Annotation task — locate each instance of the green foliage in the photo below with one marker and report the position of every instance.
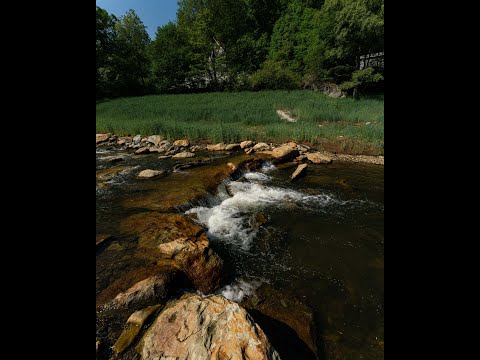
(170, 56)
(274, 75)
(361, 79)
(229, 44)
(356, 28)
(105, 39)
(293, 37)
(232, 117)
(131, 59)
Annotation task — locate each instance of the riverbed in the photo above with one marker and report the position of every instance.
(320, 238)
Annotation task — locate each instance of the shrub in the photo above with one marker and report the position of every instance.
(274, 75)
(361, 79)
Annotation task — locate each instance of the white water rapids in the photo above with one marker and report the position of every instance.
(232, 216)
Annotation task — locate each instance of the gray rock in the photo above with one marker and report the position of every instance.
(261, 146)
(246, 144)
(148, 174)
(154, 139)
(183, 155)
(143, 150)
(137, 139)
(231, 147)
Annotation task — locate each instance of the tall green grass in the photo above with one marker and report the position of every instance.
(232, 117)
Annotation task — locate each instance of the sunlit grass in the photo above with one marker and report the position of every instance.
(232, 117)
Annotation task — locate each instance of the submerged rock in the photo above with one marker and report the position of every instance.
(142, 150)
(102, 239)
(181, 189)
(288, 322)
(319, 158)
(175, 240)
(301, 169)
(287, 165)
(106, 175)
(217, 147)
(148, 174)
(259, 220)
(183, 155)
(115, 159)
(190, 164)
(205, 328)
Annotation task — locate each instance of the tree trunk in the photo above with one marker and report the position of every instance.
(214, 66)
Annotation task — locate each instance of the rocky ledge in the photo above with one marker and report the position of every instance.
(183, 148)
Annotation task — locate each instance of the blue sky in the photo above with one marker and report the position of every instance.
(153, 13)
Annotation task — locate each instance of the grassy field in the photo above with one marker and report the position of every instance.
(331, 124)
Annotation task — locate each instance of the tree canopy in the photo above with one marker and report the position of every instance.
(217, 45)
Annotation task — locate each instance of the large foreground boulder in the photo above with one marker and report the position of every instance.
(205, 328)
(105, 176)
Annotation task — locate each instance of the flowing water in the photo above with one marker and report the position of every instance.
(321, 238)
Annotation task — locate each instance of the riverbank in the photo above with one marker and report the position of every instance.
(185, 148)
(340, 125)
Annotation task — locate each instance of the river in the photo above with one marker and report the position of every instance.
(320, 238)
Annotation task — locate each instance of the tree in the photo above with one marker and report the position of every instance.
(131, 58)
(105, 45)
(224, 39)
(221, 44)
(171, 58)
(276, 76)
(361, 79)
(357, 28)
(293, 37)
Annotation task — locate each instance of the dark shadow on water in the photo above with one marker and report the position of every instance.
(283, 338)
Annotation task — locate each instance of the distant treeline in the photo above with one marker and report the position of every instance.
(224, 45)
